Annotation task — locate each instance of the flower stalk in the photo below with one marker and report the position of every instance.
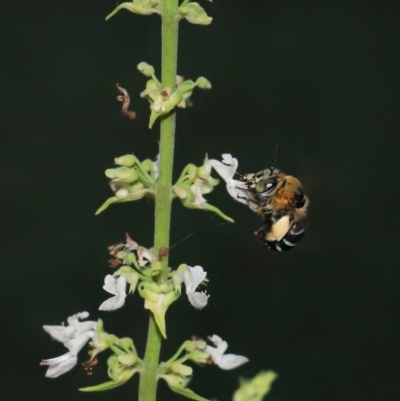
(163, 199)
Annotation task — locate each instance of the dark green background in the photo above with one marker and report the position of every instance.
(318, 77)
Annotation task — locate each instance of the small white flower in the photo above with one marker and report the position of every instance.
(227, 170)
(117, 287)
(193, 277)
(74, 337)
(228, 361)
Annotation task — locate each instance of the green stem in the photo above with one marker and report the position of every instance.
(170, 21)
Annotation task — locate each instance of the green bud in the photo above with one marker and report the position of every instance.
(202, 172)
(127, 359)
(203, 83)
(189, 346)
(147, 165)
(181, 369)
(110, 173)
(146, 69)
(199, 357)
(195, 14)
(191, 171)
(175, 381)
(126, 160)
(126, 173)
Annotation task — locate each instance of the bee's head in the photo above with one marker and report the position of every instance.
(265, 181)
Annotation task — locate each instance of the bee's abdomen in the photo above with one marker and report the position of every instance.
(294, 235)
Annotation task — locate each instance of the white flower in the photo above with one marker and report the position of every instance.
(74, 337)
(193, 277)
(227, 170)
(228, 361)
(117, 287)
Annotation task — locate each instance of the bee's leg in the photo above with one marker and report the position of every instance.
(241, 176)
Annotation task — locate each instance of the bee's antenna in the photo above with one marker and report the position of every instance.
(276, 155)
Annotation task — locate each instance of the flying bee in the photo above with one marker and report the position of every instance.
(280, 201)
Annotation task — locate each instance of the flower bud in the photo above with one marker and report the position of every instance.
(127, 359)
(203, 83)
(199, 357)
(126, 160)
(126, 173)
(195, 14)
(181, 369)
(146, 69)
(175, 381)
(110, 173)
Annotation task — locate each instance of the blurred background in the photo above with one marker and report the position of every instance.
(318, 77)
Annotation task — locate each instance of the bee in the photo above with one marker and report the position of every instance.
(280, 201)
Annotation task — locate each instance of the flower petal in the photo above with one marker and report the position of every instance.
(231, 361)
(227, 170)
(60, 365)
(59, 333)
(76, 344)
(113, 303)
(110, 284)
(198, 299)
(193, 277)
(116, 287)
